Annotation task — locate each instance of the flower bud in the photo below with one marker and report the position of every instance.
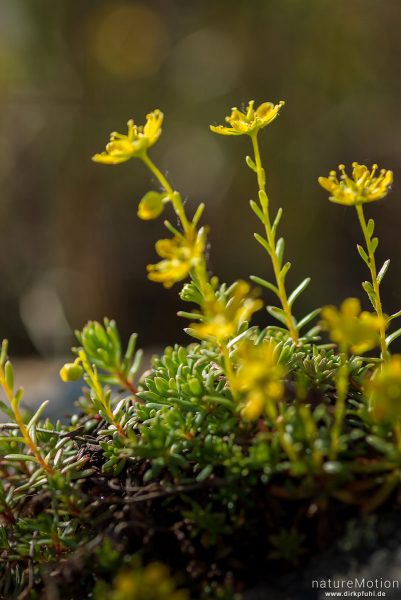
(151, 206)
(71, 372)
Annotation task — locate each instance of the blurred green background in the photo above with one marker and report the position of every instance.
(72, 247)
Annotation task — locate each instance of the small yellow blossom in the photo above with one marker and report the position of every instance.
(352, 329)
(259, 378)
(180, 254)
(151, 205)
(250, 121)
(385, 391)
(138, 139)
(152, 582)
(364, 185)
(222, 318)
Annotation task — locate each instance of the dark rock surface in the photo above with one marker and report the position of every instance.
(370, 550)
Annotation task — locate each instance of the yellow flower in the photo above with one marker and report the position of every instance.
(385, 391)
(363, 186)
(352, 329)
(259, 378)
(180, 254)
(223, 318)
(138, 139)
(250, 121)
(151, 205)
(152, 582)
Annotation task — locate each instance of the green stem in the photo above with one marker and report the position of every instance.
(342, 390)
(375, 282)
(199, 273)
(285, 442)
(228, 368)
(98, 389)
(29, 442)
(271, 238)
(174, 196)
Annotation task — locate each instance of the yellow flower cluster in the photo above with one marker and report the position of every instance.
(179, 255)
(385, 391)
(184, 251)
(250, 121)
(122, 147)
(363, 186)
(352, 329)
(222, 319)
(152, 582)
(259, 378)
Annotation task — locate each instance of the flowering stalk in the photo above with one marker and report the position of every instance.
(228, 367)
(175, 197)
(342, 385)
(250, 122)
(188, 227)
(285, 442)
(102, 397)
(356, 332)
(384, 390)
(362, 187)
(270, 230)
(7, 383)
(199, 273)
(182, 255)
(371, 244)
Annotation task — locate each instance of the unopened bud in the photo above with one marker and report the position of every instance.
(71, 372)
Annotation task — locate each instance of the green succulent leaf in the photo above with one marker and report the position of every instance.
(363, 255)
(280, 250)
(270, 286)
(262, 242)
(277, 220)
(250, 163)
(383, 270)
(298, 290)
(308, 318)
(277, 313)
(393, 336)
(256, 209)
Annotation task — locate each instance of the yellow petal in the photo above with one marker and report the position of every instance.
(254, 405)
(106, 159)
(168, 272)
(359, 171)
(264, 110)
(165, 248)
(152, 128)
(351, 307)
(239, 123)
(388, 178)
(274, 390)
(224, 130)
(120, 147)
(327, 184)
